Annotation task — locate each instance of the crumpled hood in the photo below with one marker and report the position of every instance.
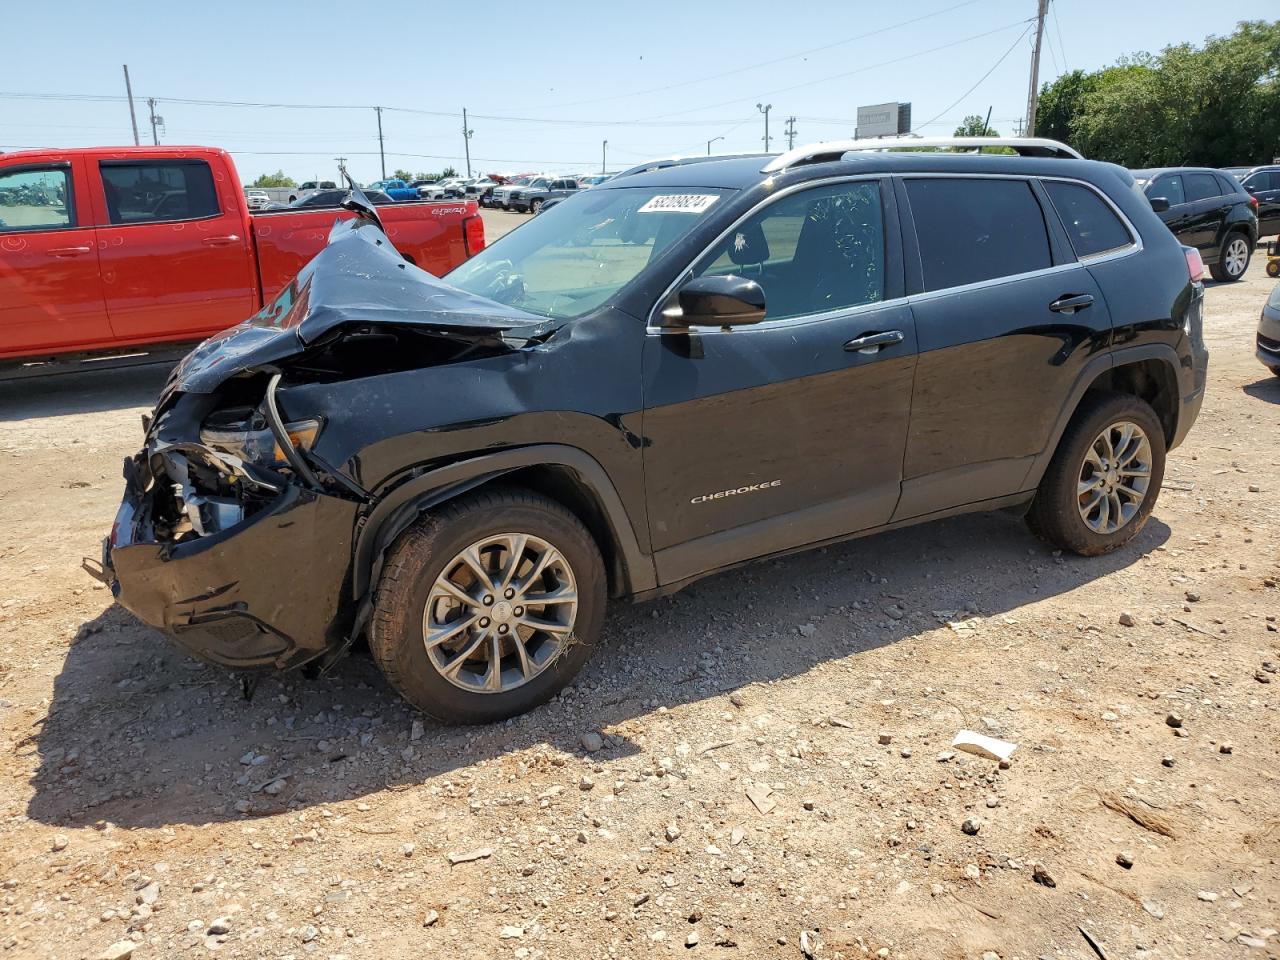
(358, 278)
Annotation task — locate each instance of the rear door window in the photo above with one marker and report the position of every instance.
(36, 199)
(158, 191)
(970, 230)
(1091, 224)
(1201, 186)
(1169, 187)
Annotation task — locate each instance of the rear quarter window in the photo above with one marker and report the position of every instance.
(1091, 224)
(970, 230)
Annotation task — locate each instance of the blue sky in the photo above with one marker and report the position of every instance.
(544, 84)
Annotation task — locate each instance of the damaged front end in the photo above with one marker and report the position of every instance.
(236, 527)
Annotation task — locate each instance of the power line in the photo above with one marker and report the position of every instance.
(1004, 56)
(1057, 27)
(848, 73)
(762, 64)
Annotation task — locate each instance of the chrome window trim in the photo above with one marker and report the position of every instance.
(1135, 246)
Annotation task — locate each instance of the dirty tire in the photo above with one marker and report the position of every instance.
(1231, 244)
(1273, 268)
(1055, 515)
(419, 556)
(535, 206)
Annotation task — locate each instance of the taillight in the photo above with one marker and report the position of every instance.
(1253, 202)
(473, 235)
(1195, 266)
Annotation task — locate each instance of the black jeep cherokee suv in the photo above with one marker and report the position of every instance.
(688, 367)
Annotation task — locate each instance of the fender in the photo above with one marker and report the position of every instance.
(1092, 370)
(401, 507)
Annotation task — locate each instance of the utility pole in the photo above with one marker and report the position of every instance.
(986, 124)
(604, 156)
(342, 167)
(1042, 10)
(791, 133)
(710, 142)
(382, 153)
(765, 108)
(155, 121)
(466, 140)
(133, 116)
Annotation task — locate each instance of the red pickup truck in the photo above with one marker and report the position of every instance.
(122, 247)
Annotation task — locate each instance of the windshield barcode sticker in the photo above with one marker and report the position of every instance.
(680, 203)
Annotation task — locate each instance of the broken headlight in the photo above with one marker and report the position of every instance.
(245, 434)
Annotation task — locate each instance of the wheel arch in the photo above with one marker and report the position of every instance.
(565, 474)
(1149, 372)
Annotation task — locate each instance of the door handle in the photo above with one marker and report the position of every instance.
(220, 241)
(874, 342)
(1071, 303)
(70, 251)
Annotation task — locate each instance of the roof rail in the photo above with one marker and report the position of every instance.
(835, 149)
(681, 161)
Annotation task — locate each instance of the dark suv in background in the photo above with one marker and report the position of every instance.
(1206, 209)
(693, 365)
(1263, 183)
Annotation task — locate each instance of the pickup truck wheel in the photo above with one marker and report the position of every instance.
(1233, 258)
(535, 206)
(488, 606)
(1102, 483)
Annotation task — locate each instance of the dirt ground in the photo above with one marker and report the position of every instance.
(143, 800)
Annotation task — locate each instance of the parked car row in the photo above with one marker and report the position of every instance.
(530, 192)
(1221, 213)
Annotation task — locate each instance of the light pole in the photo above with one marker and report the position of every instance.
(466, 140)
(765, 108)
(604, 156)
(710, 142)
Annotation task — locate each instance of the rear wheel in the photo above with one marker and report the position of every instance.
(1233, 258)
(1102, 483)
(488, 606)
(1273, 268)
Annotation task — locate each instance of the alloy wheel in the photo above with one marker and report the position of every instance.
(1114, 477)
(499, 613)
(1237, 256)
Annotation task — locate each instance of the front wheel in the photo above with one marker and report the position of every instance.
(1233, 258)
(488, 606)
(535, 206)
(1102, 483)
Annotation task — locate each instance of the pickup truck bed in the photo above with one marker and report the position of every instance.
(109, 249)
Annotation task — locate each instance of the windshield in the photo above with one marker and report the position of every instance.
(578, 254)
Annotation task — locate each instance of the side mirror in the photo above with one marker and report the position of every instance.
(1159, 204)
(721, 301)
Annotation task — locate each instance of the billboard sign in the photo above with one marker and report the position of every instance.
(883, 120)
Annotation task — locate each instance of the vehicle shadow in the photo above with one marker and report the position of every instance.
(1268, 389)
(83, 391)
(140, 735)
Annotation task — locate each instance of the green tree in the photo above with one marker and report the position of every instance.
(404, 175)
(975, 126)
(1215, 105)
(448, 172)
(277, 179)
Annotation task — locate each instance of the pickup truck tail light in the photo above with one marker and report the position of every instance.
(1195, 266)
(473, 235)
